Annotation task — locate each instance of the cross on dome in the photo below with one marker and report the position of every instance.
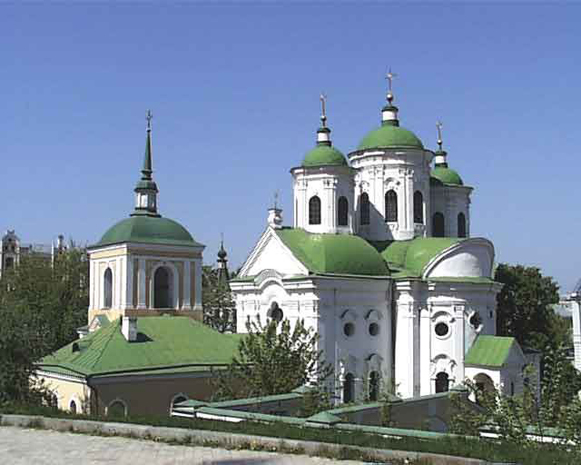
(439, 125)
(323, 99)
(390, 76)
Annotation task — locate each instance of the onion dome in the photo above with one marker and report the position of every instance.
(390, 134)
(442, 174)
(145, 224)
(324, 153)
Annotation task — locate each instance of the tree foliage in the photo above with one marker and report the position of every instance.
(273, 359)
(524, 306)
(516, 417)
(42, 302)
(219, 308)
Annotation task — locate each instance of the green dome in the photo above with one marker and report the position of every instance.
(388, 136)
(447, 176)
(148, 229)
(324, 155)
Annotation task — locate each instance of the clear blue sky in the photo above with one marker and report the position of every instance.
(234, 91)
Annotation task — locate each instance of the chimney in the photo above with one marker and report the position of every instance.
(129, 328)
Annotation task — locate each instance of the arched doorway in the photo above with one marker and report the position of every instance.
(275, 312)
(484, 384)
(116, 409)
(73, 407)
(442, 382)
(348, 388)
(438, 225)
(162, 288)
(374, 382)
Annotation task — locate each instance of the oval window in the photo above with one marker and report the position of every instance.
(374, 329)
(349, 329)
(442, 329)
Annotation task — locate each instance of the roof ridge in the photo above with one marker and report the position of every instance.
(114, 325)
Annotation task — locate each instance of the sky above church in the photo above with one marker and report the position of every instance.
(234, 89)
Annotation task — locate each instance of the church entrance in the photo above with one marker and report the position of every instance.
(442, 382)
(162, 288)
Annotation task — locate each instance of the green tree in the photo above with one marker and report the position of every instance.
(524, 306)
(42, 303)
(274, 359)
(219, 308)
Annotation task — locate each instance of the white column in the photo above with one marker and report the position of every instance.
(576, 307)
(187, 279)
(142, 285)
(127, 301)
(198, 284)
(92, 285)
(459, 342)
(118, 287)
(425, 350)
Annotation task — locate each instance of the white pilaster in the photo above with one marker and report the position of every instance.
(186, 305)
(127, 301)
(142, 286)
(198, 284)
(425, 348)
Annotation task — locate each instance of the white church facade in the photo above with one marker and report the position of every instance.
(379, 261)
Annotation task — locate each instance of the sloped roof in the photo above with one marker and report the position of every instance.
(333, 253)
(490, 351)
(164, 344)
(411, 257)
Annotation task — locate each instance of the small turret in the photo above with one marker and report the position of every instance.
(223, 275)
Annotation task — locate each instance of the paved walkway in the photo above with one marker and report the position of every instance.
(29, 446)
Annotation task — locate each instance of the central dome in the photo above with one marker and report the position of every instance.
(148, 229)
(389, 136)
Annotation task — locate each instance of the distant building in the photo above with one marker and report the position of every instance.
(12, 250)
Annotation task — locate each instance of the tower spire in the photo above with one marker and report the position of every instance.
(440, 158)
(323, 133)
(146, 189)
(389, 111)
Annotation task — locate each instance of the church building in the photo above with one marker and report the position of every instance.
(380, 262)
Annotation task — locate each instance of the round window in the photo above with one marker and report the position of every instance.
(374, 329)
(442, 329)
(349, 329)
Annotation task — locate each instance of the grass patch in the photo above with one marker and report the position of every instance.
(540, 454)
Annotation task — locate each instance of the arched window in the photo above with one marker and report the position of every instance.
(162, 288)
(438, 228)
(349, 388)
(364, 208)
(275, 312)
(373, 385)
(108, 288)
(442, 381)
(418, 207)
(73, 407)
(461, 225)
(390, 206)
(117, 409)
(315, 210)
(343, 211)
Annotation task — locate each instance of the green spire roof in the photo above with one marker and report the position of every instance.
(145, 224)
(390, 136)
(333, 253)
(446, 176)
(163, 343)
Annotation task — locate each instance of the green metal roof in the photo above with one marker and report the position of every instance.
(148, 229)
(388, 136)
(412, 256)
(164, 344)
(323, 155)
(447, 176)
(333, 253)
(490, 351)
